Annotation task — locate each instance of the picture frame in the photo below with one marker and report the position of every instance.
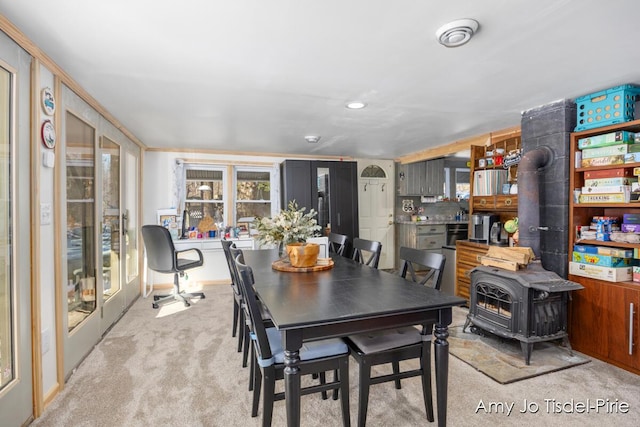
(167, 218)
(48, 134)
(48, 101)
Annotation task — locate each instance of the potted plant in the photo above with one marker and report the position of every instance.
(290, 226)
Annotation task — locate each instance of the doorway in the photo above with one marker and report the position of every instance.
(375, 206)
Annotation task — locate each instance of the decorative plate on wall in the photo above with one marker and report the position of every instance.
(48, 133)
(48, 101)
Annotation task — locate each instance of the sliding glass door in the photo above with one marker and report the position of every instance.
(16, 388)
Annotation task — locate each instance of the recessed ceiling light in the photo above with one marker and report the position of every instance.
(356, 105)
(312, 139)
(457, 33)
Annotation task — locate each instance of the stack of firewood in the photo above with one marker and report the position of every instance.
(508, 258)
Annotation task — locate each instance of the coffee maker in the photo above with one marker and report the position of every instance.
(481, 227)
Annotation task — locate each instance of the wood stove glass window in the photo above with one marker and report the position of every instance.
(493, 299)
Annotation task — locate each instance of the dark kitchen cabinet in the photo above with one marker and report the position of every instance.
(424, 178)
(331, 188)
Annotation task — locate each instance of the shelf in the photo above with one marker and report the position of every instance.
(634, 205)
(611, 244)
(607, 167)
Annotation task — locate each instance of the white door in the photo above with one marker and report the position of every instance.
(375, 206)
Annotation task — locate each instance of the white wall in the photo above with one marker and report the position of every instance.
(47, 248)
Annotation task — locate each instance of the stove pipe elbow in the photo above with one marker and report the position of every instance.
(529, 196)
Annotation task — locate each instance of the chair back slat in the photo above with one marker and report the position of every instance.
(246, 282)
(337, 243)
(161, 253)
(367, 251)
(412, 259)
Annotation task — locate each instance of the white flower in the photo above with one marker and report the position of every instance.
(289, 226)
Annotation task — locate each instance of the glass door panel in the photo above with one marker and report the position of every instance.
(130, 222)
(324, 197)
(81, 221)
(110, 153)
(7, 326)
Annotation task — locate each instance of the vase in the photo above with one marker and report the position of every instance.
(303, 254)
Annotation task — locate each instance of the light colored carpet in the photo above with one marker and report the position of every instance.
(502, 359)
(179, 367)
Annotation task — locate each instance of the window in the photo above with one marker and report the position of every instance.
(231, 195)
(205, 194)
(253, 194)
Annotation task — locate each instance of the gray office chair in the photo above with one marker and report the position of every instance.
(398, 344)
(163, 258)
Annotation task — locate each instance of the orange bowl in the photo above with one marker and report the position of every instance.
(303, 254)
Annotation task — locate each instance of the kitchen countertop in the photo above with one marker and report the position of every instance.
(433, 221)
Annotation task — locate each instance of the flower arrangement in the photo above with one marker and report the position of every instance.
(289, 226)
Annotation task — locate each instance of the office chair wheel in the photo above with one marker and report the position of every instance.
(186, 304)
(154, 305)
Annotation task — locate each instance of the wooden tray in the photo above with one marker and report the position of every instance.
(284, 265)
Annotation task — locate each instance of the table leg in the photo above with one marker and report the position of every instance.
(292, 381)
(442, 371)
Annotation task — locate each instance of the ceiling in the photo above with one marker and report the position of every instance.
(258, 76)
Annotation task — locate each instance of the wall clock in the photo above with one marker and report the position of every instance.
(48, 133)
(48, 101)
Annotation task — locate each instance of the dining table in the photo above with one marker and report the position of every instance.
(346, 299)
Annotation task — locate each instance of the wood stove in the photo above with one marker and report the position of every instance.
(529, 305)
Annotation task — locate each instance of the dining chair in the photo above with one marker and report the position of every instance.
(238, 313)
(337, 243)
(315, 356)
(367, 251)
(163, 257)
(398, 344)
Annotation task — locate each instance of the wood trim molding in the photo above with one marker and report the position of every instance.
(249, 153)
(460, 145)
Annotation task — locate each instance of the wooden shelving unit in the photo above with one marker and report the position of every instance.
(604, 316)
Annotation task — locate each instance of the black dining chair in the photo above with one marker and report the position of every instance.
(238, 314)
(366, 251)
(315, 356)
(337, 243)
(398, 344)
(163, 257)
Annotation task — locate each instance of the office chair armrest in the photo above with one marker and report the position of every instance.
(196, 250)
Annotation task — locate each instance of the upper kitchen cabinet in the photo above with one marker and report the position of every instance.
(331, 188)
(424, 178)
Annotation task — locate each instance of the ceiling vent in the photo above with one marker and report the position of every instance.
(457, 33)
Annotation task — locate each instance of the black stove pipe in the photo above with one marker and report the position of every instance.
(529, 169)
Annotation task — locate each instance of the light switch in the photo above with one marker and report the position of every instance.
(45, 213)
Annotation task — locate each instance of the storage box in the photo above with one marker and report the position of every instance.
(630, 228)
(609, 274)
(611, 150)
(632, 158)
(605, 182)
(605, 198)
(614, 105)
(606, 189)
(630, 218)
(604, 250)
(609, 173)
(605, 139)
(602, 161)
(602, 260)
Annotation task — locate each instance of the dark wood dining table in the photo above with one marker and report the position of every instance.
(347, 299)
